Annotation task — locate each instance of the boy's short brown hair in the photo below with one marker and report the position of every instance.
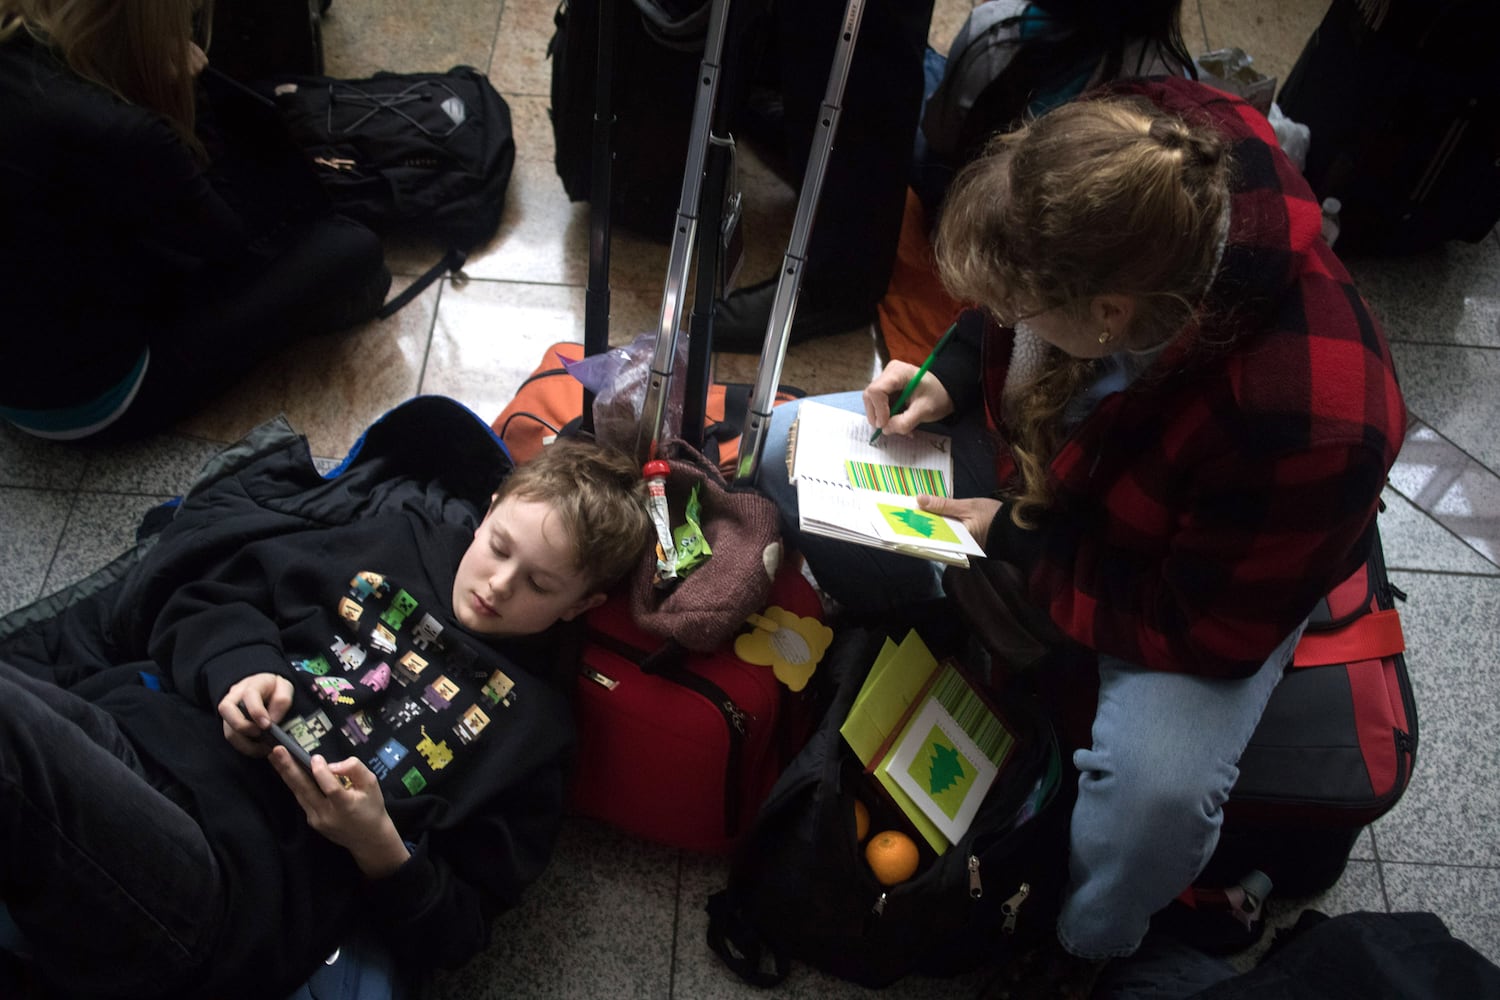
(600, 496)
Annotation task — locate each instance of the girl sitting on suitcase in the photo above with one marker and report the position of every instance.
(157, 243)
(1193, 416)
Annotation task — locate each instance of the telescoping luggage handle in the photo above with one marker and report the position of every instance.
(778, 328)
(773, 351)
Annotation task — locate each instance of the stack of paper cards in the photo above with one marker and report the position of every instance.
(929, 737)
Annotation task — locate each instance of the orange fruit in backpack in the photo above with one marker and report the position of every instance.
(861, 820)
(892, 856)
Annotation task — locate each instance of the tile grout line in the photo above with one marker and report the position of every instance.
(1476, 465)
(1414, 342)
(431, 334)
(1461, 574)
(1445, 864)
(489, 62)
(1385, 895)
(42, 589)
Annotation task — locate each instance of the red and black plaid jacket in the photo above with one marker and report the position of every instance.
(1201, 513)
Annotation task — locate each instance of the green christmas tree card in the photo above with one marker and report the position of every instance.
(946, 757)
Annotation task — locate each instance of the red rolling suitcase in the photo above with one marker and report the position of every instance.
(1333, 752)
(1335, 747)
(680, 747)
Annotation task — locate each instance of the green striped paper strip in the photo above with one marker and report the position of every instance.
(896, 479)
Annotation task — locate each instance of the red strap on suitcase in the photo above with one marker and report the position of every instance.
(1372, 637)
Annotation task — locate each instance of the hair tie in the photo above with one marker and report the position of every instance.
(1170, 134)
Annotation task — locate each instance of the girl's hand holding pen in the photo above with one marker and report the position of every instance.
(928, 401)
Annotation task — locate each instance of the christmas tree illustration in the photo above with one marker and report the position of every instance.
(916, 520)
(947, 769)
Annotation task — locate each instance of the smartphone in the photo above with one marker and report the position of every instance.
(297, 750)
(277, 734)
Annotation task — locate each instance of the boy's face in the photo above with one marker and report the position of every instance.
(520, 574)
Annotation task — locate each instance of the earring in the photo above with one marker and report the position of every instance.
(1105, 336)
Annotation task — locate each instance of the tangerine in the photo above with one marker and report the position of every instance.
(861, 820)
(892, 856)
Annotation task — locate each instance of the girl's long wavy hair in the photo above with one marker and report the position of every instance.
(136, 49)
(1100, 196)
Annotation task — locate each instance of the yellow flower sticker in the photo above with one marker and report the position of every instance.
(790, 645)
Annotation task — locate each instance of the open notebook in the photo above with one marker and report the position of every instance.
(850, 489)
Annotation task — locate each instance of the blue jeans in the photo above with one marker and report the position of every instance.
(1151, 794)
(112, 884)
(863, 579)
(362, 969)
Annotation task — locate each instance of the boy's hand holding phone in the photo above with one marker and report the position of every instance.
(250, 706)
(343, 802)
(341, 799)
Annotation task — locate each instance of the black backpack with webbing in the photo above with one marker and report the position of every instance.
(422, 155)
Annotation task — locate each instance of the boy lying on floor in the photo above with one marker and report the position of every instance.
(149, 848)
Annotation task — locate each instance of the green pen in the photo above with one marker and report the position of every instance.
(911, 386)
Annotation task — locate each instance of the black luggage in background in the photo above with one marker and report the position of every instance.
(652, 104)
(657, 51)
(260, 39)
(1403, 100)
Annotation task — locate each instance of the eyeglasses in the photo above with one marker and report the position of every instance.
(1010, 322)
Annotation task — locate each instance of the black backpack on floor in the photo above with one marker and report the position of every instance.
(424, 155)
(799, 887)
(427, 155)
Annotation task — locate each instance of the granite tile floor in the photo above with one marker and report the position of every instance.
(618, 918)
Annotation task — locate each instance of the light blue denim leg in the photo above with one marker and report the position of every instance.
(1150, 794)
(860, 578)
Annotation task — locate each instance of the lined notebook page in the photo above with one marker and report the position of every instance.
(833, 445)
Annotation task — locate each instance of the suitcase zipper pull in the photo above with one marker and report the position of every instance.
(976, 889)
(879, 908)
(1012, 908)
(735, 715)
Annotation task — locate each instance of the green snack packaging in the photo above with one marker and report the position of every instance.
(692, 547)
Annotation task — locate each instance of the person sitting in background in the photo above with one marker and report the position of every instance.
(156, 243)
(1043, 53)
(1011, 59)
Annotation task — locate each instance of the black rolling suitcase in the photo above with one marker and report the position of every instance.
(1403, 100)
(655, 61)
(260, 39)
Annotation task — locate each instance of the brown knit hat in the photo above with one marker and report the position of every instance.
(708, 606)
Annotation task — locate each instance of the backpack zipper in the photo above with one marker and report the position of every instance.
(1011, 908)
